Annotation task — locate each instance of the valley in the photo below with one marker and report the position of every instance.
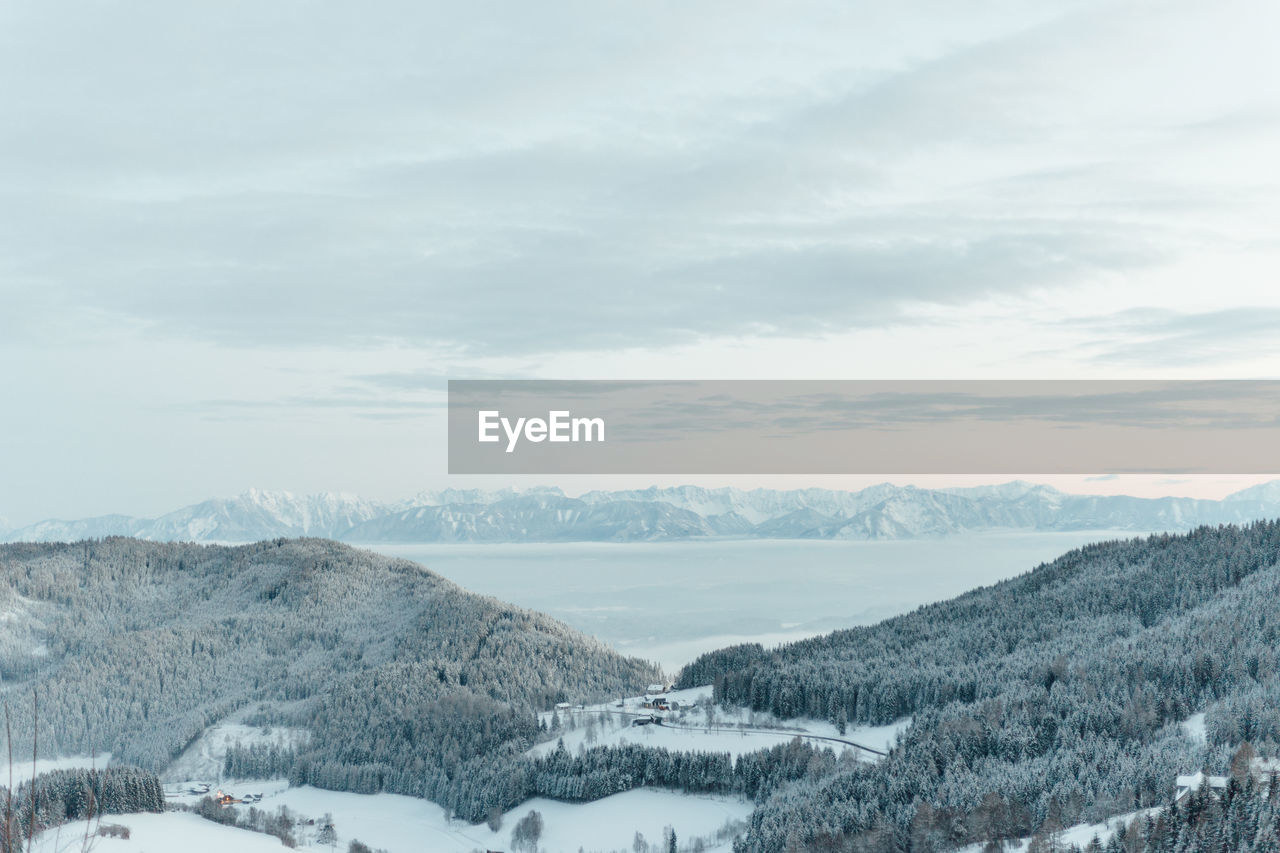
(669, 602)
(361, 692)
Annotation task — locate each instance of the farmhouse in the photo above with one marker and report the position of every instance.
(224, 799)
(1184, 786)
(1262, 769)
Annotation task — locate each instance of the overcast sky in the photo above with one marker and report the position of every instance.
(244, 243)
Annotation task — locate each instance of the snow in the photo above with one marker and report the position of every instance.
(612, 823)
(1187, 783)
(1194, 728)
(402, 824)
(19, 611)
(1080, 834)
(736, 731)
(1268, 492)
(203, 759)
(666, 737)
(159, 833)
(396, 823)
(181, 793)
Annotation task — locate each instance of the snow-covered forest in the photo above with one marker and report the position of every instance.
(137, 647)
(59, 796)
(1059, 697)
(1052, 698)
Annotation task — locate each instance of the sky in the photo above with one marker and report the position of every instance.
(246, 244)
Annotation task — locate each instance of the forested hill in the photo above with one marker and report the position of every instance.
(137, 646)
(1051, 698)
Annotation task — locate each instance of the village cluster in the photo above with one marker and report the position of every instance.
(221, 797)
(655, 701)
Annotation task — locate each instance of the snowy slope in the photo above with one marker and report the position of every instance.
(400, 824)
(158, 833)
(1079, 835)
(260, 514)
(204, 757)
(1266, 493)
(58, 530)
(538, 517)
(408, 825)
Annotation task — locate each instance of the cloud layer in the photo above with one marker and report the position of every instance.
(506, 179)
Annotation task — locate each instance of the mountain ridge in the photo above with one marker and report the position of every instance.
(545, 514)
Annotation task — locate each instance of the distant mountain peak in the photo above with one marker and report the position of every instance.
(1011, 489)
(1268, 492)
(253, 493)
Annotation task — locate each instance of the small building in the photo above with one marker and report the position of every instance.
(1263, 771)
(563, 706)
(658, 688)
(1184, 786)
(224, 799)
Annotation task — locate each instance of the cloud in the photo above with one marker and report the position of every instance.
(566, 180)
(1159, 336)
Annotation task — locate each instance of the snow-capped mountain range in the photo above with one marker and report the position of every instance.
(546, 514)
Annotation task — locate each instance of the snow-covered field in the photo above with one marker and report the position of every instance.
(612, 823)
(401, 824)
(690, 729)
(171, 832)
